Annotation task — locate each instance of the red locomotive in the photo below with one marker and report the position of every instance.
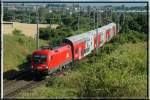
(73, 48)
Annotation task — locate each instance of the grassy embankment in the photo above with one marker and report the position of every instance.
(119, 70)
(16, 49)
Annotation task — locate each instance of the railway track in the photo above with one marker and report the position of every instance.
(30, 85)
(16, 77)
(16, 82)
(25, 82)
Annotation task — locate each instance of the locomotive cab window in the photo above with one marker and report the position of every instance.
(39, 59)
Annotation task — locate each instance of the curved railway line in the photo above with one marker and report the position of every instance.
(24, 81)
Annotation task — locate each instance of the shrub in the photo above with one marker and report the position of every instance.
(28, 58)
(20, 40)
(44, 34)
(17, 32)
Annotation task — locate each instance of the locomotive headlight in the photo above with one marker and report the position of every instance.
(46, 67)
(31, 67)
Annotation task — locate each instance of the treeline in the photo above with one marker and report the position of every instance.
(69, 21)
(55, 36)
(134, 21)
(127, 22)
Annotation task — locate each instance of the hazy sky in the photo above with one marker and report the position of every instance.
(116, 4)
(96, 4)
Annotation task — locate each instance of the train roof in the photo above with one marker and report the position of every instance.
(84, 36)
(103, 28)
(79, 37)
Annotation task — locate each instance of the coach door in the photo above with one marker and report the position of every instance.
(92, 43)
(108, 34)
(102, 40)
(79, 52)
(88, 46)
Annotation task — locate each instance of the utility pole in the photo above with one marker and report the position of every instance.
(29, 16)
(94, 17)
(59, 14)
(100, 22)
(124, 17)
(14, 15)
(141, 14)
(111, 14)
(89, 11)
(97, 18)
(37, 37)
(106, 12)
(118, 22)
(78, 19)
(97, 31)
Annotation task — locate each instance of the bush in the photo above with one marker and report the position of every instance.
(28, 58)
(117, 74)
(17, 32)
(44, 34)
(130, 37)
(20, 40)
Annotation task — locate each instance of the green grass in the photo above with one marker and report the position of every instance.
(119, 73)
(16, 49)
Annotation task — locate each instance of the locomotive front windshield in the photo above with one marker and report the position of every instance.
(39, 59)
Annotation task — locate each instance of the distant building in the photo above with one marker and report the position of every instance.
(50, 11)
(17, 7)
